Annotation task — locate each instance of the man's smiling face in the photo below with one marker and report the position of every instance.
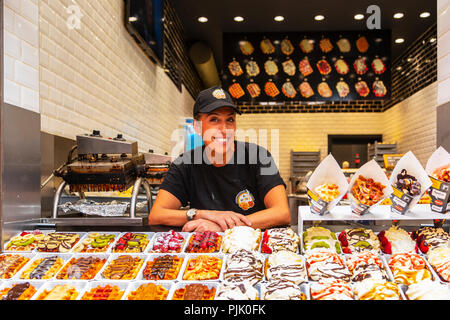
(217, 129)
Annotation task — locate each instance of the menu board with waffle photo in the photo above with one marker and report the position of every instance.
(307, 66)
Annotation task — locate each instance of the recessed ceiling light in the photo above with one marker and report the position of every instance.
(432, 40)
(278, 18)
(425, 14)
(398, 15)
(132, 19)
(202, 19)
(238, 19)
(399, 40)
(319, 17)
(358, 16)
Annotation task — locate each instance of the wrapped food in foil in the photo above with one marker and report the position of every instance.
(104, 209)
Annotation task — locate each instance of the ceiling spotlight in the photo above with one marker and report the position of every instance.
(425, 14)
(319, 17)
(132, 19)
(398, 15)
(358, 16)
(399, 40)
(432, 40)
(202, 19)
(238, 19)
(279, 18)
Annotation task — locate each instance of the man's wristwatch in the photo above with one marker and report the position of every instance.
(190, 214)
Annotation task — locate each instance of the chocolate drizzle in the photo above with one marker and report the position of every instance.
(15, 292)
(160, 267)
(42, 268)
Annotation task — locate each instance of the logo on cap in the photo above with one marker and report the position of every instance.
(219, 94)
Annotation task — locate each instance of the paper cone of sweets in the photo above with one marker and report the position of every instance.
(438, 168)
(409, 181)
(368, 187)
(326, 186)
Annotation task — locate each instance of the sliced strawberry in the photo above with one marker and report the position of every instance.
(388, 248)
(342, 235)
(346, 250)
(423, 247)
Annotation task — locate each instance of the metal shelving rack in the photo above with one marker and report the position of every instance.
(376, 150)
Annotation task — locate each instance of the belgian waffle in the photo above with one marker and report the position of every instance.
(58, 242)
(44, 268)
(83, 268)
(204, 242)
(107, 292)
(59, 292)
(10, 264)
(123, 268)
(163, 268)
(203, 268)
(18, 291)
(194, 292)
(149, 291)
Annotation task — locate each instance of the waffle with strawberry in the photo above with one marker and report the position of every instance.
(277, 239)
(396, 240)
(358, 239)
(204, 242)
(430, 237)
(168, 242)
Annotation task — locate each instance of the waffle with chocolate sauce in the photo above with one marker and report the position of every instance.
(18, 291)
(194, 291)
(124, 267)
(164, 267)
(44, 268)
(58, 242)
(82, 268)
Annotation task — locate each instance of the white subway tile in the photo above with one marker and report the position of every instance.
(8, 16)
(30, 55)
(11, 92)
(27, 31)
(12, 45)
(8, 64)
(13, 4)
(27, 75)
(30, 11)
(30, 99)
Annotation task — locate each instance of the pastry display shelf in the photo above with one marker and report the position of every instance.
(380, 212)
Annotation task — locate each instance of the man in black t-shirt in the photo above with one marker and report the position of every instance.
(225, 183)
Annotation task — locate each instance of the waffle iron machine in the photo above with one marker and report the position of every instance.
(102, 165)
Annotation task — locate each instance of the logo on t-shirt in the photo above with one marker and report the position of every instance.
(245, 200)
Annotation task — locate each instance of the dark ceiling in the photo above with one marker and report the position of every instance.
(299, 16)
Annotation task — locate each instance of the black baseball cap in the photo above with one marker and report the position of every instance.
(211, 99)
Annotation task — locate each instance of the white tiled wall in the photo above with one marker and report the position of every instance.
(443, 25)
(412, 123)
(21, 53)
(96, 77)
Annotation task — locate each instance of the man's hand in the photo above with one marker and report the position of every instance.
(225, 219)
(201, 225)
